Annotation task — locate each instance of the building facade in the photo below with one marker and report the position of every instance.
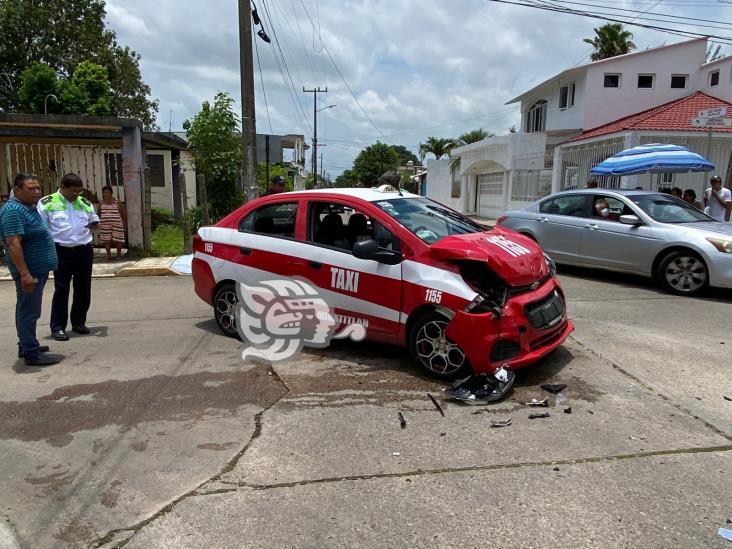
(577, 118)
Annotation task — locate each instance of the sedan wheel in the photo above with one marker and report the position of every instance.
(225, 302)
(434, 351)
(683, 273)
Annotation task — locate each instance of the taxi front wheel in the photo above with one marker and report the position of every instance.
(437, 354)
(224, 306)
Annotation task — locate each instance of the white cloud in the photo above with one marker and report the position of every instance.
(412, 64)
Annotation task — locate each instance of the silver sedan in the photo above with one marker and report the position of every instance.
(646, 233)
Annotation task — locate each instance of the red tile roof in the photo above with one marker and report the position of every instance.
(675, 116)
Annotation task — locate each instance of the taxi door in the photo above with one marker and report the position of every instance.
(359, 291)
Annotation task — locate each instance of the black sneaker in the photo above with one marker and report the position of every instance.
(41, 349)
(83, 330)
(59, 335)
(40, 360)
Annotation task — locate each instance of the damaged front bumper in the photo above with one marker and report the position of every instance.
(530, 326)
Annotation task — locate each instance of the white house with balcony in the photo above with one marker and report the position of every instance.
(559, 139)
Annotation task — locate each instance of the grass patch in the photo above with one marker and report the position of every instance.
(167, 240)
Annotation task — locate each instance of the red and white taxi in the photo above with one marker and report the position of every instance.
(413, 272)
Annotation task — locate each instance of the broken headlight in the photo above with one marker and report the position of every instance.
(492, 291)
(552, 266)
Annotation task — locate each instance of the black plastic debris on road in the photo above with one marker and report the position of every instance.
(480, 389)
(568, 410)
(538, 415)
(437, 405)
(402, 421)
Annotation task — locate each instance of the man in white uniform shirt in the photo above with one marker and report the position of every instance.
(717, 199)
(70, 218)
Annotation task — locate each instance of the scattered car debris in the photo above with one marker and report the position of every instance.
(554, 387)
(396, 454)
(402, 421)
(443, 434)
(537, 415)
(482, 388)
(591, 411)
(559, 399)
(726, 534)
(556, 469)
(496, 422)
(725, 397)
(568, 410)
(437, 405)
(543, 402)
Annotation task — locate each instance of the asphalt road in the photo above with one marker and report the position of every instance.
(153, 433)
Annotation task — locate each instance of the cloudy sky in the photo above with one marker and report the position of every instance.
(417, 67)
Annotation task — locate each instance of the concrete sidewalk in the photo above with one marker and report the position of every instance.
(149, 266)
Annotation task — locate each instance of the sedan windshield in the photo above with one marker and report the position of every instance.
(668, 209)
(429, 220)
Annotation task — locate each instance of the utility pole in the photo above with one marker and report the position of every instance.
(249, 181)
(322, 169)
(315, 92)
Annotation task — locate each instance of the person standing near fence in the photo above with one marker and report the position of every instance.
(70, 218)
(112, 220)
(30, 255)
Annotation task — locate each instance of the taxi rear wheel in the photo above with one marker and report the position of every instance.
(437, 354)
(225, 302)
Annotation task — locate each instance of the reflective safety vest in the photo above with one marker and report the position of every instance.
(57, 203)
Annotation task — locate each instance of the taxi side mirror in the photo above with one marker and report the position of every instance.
(369, 249)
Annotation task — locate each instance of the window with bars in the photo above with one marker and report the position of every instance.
(113, 169)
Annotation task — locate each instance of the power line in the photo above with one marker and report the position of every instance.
(727, 40)
(563, 2)
(264, 91)
(325, 47)
(286, 68)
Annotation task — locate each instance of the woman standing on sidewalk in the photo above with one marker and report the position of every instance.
(112, 218)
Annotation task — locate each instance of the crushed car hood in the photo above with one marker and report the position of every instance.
(518, 260)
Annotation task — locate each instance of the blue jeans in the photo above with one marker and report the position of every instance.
(27, 313)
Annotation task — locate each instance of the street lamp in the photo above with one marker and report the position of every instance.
(315, 141)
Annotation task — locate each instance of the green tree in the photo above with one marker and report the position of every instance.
(373, 161)
(63, 34)
(38, 81)
(610, 40)
(438, 146)
(87, 91)
(213, 136)
(405, 155)
(347, 179)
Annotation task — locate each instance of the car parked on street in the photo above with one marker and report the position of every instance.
(646, 233)
(413, 272)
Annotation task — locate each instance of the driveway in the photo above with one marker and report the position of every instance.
(152, 433)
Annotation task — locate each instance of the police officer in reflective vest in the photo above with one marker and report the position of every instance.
(70, 218)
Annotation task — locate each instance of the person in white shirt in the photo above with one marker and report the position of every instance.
(70, 218)
(717, 200)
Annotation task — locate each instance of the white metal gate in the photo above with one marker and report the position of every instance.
(491, 194)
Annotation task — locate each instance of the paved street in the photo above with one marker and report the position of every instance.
(152, 433)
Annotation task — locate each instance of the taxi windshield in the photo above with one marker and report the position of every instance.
(429, 220)
(669, 209)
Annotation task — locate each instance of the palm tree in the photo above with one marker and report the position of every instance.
(439, 146)
(473, 136)
(610, 40)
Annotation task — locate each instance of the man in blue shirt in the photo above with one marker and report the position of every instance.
(30, 254)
